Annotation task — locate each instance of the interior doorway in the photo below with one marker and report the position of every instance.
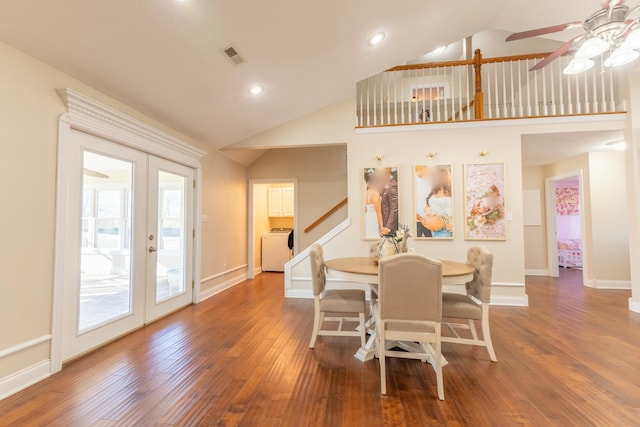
(566, 225)
(273, 205)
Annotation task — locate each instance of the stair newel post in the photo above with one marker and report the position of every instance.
(479, 96)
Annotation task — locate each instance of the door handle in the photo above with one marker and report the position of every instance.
(152, 249)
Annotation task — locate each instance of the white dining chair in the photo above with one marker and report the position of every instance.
(474, 306)
(334, 301)
(409, 309)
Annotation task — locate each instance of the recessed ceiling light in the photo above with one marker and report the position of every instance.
(439, 50)
(256, 90)
(376, 39)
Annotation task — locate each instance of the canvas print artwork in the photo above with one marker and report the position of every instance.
(484, 186)
(380, 201)
(433, 201)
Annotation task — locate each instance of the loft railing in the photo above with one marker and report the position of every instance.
(483, 88)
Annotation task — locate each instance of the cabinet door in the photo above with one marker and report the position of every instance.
(287, 201)
(275, 202)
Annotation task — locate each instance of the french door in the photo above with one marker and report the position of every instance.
(129, 259)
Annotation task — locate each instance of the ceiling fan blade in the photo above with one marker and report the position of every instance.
(557, 53)
(543, 31)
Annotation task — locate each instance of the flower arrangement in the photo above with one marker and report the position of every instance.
(402, 237)
(391, 244)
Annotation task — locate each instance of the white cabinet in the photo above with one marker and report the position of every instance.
(281, 201)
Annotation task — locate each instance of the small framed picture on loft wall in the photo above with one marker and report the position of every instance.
(433, 201)
(484, 185)
(380, 201)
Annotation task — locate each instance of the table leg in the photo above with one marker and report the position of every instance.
(368, 352)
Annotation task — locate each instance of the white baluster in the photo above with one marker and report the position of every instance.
(368, 103)
(569, 98)
(520, 107)
(612, 94)
(423, 113)
(495, 81)
(545, 108)
(595, 90)
(468, 97)
(402, 95)
(553, 91)
(603, 93)
(529, 113)
(505, 106)
(431, 115)
(587, 105)
(489, 103)
(513, 95)
(536, 97)
(561, 82)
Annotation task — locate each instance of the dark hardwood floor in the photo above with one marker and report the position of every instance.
(572, 358)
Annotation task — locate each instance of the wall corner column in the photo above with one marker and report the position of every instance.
(632, 163)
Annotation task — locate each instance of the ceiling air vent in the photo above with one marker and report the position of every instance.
(233, 56)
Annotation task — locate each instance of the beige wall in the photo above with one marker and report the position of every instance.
(407, 146)
(606, 242)
(224, 235)
(30, 109)
(322, 183)
(535, 236)
(609, 224)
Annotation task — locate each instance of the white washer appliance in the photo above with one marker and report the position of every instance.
(275, 249)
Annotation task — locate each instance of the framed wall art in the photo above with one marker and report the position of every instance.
(433, 201)
(380, 201)
(484, 186)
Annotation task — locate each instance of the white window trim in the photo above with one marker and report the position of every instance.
(89, 116)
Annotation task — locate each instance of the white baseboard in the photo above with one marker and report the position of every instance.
(609, 284)
(229, 283)
(516, 301)
(534, 272)
(298, 293)
(634, 305)
(24, 378)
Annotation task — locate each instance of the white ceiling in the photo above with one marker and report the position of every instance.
(163, 57)
(545, 149)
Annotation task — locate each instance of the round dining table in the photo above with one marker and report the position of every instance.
(365, 270)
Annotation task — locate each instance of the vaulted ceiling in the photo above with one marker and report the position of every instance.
(163, 57)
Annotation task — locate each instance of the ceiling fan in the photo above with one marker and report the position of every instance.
(609, 29)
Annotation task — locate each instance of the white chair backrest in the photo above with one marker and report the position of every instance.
(410, 288)
(318, 273)
(482, 260)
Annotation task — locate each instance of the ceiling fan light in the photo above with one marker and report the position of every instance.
(621, 56)
(633, 40)
(592, 47)
(578, 65)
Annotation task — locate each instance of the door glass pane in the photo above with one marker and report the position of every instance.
(171, 235)
(105, 264)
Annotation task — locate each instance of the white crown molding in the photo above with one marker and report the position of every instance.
(91, 116)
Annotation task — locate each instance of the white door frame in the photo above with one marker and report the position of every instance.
(251, 219)
(89, 116)
(552, 236)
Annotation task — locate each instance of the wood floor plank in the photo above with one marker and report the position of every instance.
(572, 358)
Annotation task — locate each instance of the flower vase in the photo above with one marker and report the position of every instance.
(387, 247)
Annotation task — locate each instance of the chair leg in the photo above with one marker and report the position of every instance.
(382, 357)
(486, 335)
(472, 328)
(363, 330)
(438, 368)
(316, 324)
